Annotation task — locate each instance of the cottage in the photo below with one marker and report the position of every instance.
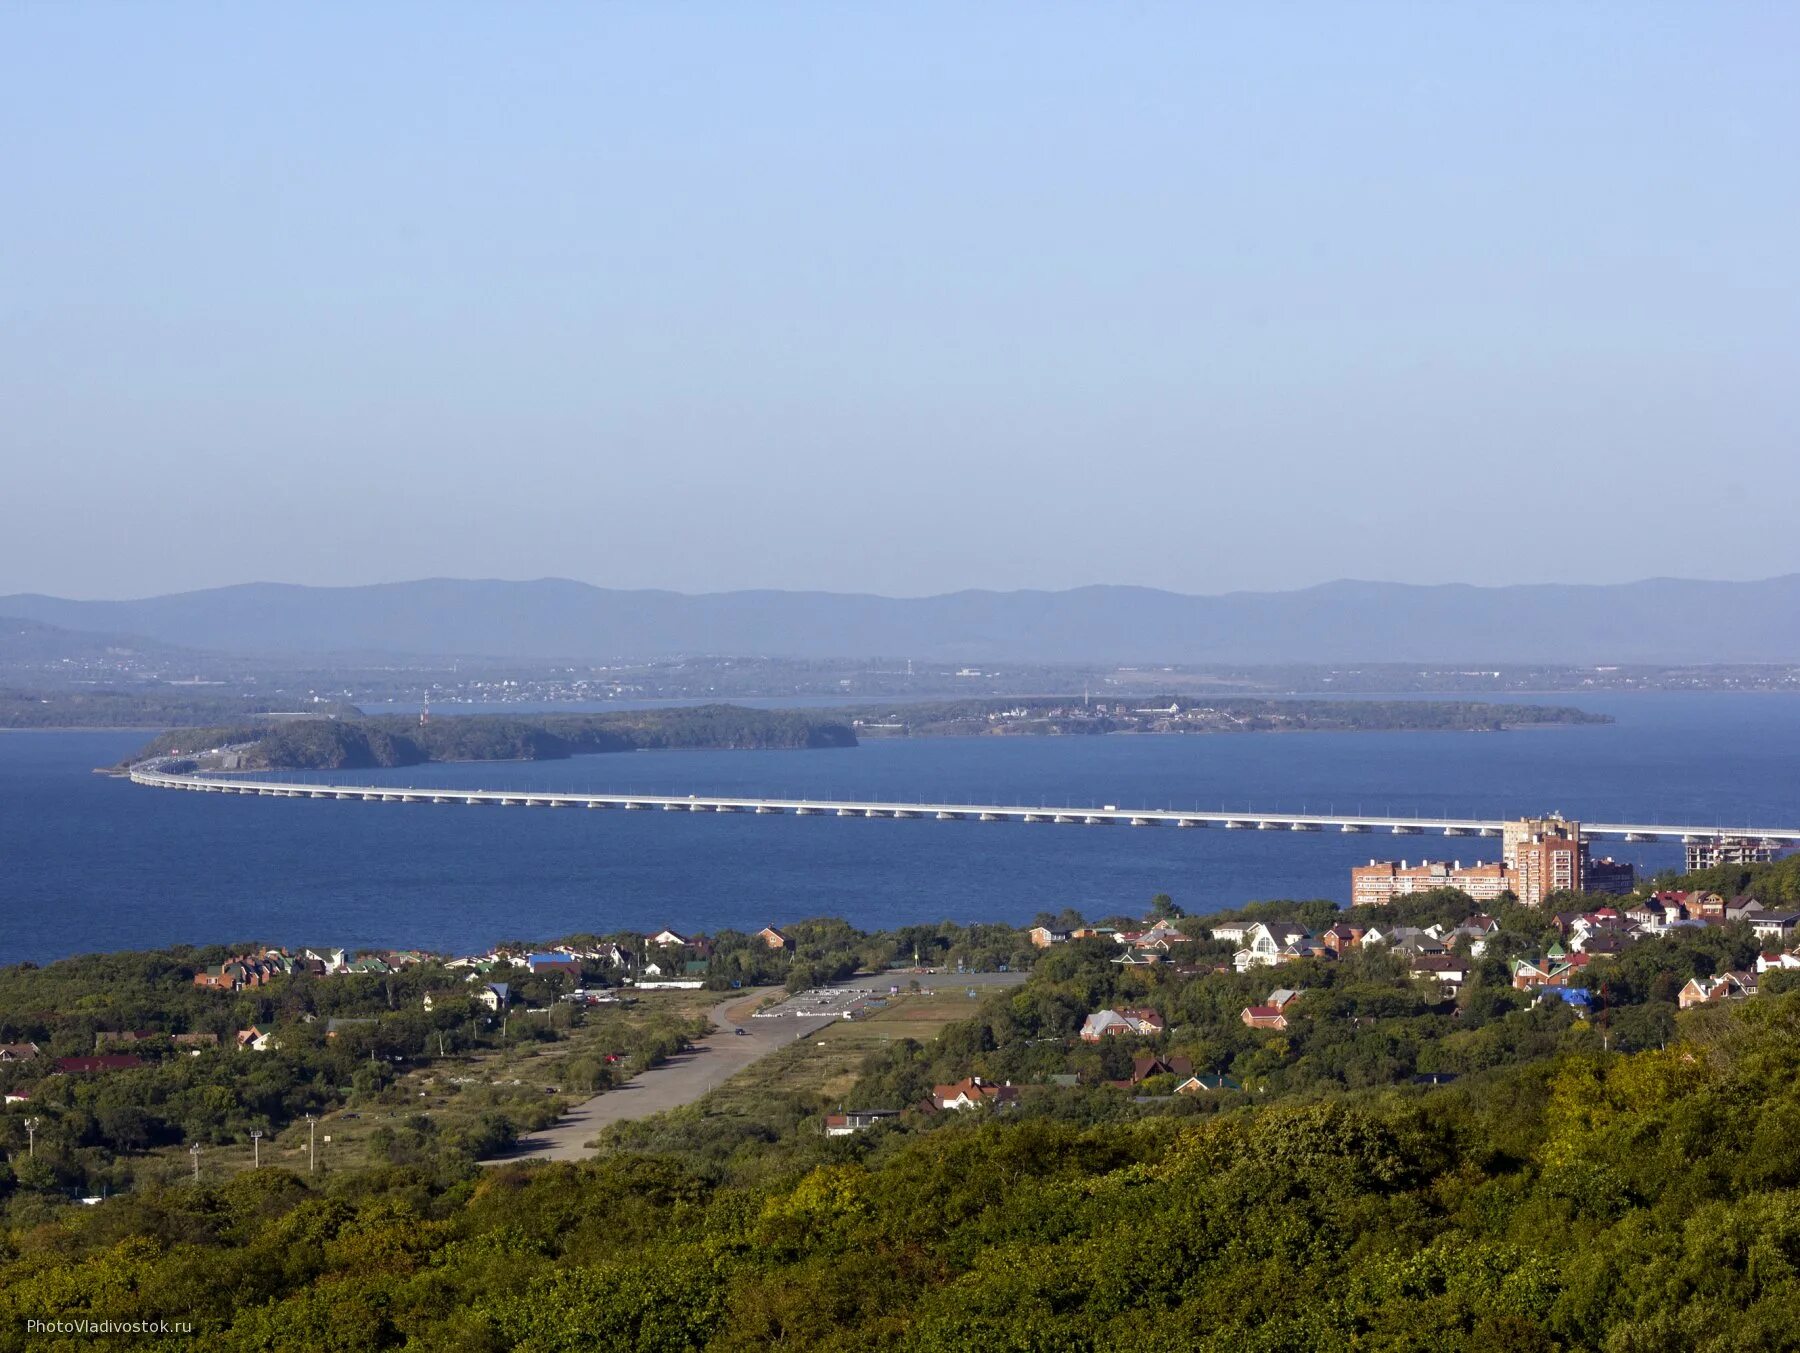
(1730, 986)
(1144, 1066)
(1043, 936)
(773, 938)
(553, 962)
(112, 1061)
(1549, 973)
(855, 1120)
(1116, 1023)
(1265, 941)
(1206, 1084)
(1769, 925)
(973, 1093)
(665, 939)
(1765, 962)
(1139, 958)
(18, 1052)
(496, 996)
(1263, 1017)
(1445, 968)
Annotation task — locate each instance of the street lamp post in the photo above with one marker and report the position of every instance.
(255, 1148)
(311, 1147)
(31, 1137)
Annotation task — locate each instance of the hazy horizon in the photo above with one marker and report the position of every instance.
(912, 596)
(896, 302)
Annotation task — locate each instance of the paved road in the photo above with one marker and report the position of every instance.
(680, 1080)
(714, 1060)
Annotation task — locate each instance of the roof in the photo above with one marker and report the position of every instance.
(108, 1061)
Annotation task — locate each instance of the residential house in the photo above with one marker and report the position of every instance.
(1765, 962)
(1744, 907)
(122, 1038)
(1144, 1066)
(973, 1093)
(1771, 925)
(1282, 997)
(1548, 973)
(1479, 931)
(774, 939)
(1264, 1017)
(111, 1061)
(665, 939)
(18, 1052)
(1730, 986)
(1707, 906)
(1139, 958)
(1448, 969)
(1163, 932)
(1232, 932)
(1093, 932)
(1116, 1023)
(1576, 998)
(496, 996)
(1043, 936)
(1206, 1084)
(553, 962)
(1341, 938)
(855, 1120)
(1266, 943)
(257, 1039)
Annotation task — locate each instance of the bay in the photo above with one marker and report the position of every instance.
(92, 863)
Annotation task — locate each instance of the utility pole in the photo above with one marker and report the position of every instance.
(194, 1151)
(31, 1137)
(312, 1156)
(256, 1148)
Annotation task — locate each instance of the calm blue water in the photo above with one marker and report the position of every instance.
(91, 863)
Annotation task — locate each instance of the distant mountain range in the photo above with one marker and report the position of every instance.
(1661, 620)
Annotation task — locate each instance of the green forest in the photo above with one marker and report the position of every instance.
(396, 740)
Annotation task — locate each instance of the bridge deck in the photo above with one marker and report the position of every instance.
(1111, 814)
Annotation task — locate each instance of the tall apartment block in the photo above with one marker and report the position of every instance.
(1545, 855)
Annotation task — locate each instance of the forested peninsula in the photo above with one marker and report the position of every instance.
(1059, 715)
(396, 740)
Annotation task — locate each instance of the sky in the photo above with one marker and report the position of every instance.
(900, 299)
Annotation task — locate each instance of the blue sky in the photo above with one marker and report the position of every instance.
(897, 298)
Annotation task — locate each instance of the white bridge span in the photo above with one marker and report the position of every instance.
(981, 812)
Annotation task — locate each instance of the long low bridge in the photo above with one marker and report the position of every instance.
(1109, 815)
